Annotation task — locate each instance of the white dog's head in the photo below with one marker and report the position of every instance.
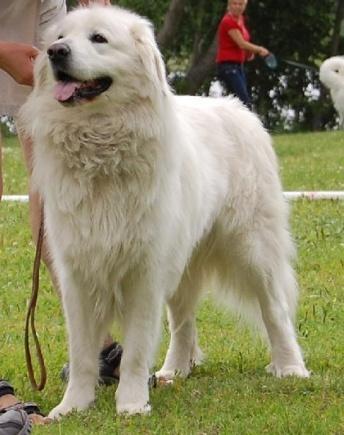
(332, 76)
(332, 72)
(101, 54)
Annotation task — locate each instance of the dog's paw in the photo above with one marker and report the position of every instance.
(298, 370)
(133, 409)
(59, 411)
(166, 376)
(66, 406)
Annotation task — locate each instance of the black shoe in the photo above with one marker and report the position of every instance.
(110, 360)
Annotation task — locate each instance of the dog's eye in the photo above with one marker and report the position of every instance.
(98, 38)
(60, 37)
(336, 70)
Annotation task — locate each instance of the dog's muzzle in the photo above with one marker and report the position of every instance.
(68, 88)
(59, 53)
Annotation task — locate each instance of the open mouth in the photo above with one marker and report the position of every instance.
(70, 90)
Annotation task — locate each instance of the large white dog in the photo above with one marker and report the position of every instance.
(332, 76)
(151, 198)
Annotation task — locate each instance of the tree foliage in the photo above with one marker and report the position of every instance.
(305, 32)
(298, 31)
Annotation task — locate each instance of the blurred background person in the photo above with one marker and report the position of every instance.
(234, 49)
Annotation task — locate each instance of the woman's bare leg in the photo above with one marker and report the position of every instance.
(35, 208)
(1, 182)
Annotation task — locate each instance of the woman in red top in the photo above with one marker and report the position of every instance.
(234, 48)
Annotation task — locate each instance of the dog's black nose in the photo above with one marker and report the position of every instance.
(58, 52)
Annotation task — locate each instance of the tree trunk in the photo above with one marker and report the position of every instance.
(337, 27)
(200, 70)
(172, 19)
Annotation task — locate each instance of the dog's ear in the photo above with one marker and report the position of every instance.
(150, 55)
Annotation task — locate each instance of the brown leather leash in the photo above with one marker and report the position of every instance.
(30, 318)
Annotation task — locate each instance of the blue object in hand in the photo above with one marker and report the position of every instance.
(271, 61)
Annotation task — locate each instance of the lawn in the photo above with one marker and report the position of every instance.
(230, 393)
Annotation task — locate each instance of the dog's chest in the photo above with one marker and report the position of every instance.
(96, 147)
(97, 172)
(98, 238)
(99, 182)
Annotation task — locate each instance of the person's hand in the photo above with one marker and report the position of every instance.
(100, 2)
(17, 60)
(263, 52)
(250, 56)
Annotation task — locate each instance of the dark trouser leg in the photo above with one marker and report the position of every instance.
(234, 78)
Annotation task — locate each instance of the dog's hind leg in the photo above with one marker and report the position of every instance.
(85, 337)
(271, 280)
(183, 352)
(278, 319)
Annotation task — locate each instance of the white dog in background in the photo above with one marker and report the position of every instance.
(332, 76)
(151, 198)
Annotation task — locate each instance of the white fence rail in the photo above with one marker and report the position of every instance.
(15, 198)
(325, 194)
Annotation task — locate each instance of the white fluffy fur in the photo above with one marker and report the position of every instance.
(332, 76)
(151, 198)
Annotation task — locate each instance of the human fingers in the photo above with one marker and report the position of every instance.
(33, 53)
(88, 2)
(264, 52)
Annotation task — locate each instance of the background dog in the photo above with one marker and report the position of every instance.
(332, 76)
(149, 199)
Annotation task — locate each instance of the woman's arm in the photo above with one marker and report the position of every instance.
(237, 37)
(17, 60)
(101, 2)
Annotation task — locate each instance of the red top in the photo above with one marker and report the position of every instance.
(227, 49)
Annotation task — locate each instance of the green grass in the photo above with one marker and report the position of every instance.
(230, 393)
(14, 172)
(312, 161)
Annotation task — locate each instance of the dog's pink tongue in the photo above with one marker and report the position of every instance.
(64, 90)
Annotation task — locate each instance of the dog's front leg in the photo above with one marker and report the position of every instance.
(84, 336)
(141, 324)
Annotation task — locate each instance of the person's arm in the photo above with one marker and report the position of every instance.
(237, 37)
(101, 2)
(17, 60)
